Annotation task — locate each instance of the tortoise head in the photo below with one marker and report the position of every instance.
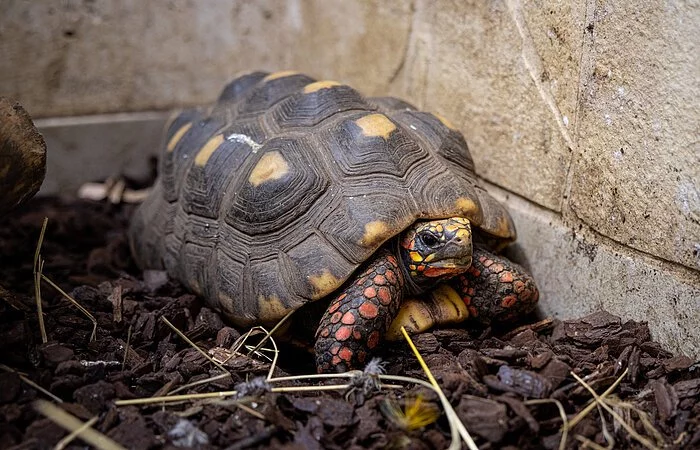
(436, 250)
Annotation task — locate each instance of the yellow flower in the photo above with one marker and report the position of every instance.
(416, 413)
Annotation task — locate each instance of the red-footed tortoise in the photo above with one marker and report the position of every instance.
(290, 190)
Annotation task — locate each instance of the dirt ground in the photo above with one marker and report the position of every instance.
(509, 388)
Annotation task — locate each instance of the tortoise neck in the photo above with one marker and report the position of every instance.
(412, 286)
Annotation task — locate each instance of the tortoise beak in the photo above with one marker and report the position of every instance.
(448, 267)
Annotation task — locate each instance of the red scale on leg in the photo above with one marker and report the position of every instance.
(343, 333)
(335, 318)
(345, 353)
(373, 339)
(334, 306)
(370, 292)
(380, 280)
(348, 318)
(390, 276)
(368, 310)
(384, 295)
(506, 277)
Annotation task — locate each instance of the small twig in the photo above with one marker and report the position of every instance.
(565, 424)
(192, 344)
(641, 439)
(238, 405)
(585, 411)
(604, 428)
(75, 433)
(93, 336)
(200, 382)
(126, 347)
(268, 334)
(174, 398)
(71, 423)
(31, 383)
(643, 417)
(588, 443)
(38, 266)
(454, 420)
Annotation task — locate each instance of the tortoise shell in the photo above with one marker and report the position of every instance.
(275, 195)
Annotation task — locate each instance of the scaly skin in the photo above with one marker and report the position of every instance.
(356, 320)
(495, 289)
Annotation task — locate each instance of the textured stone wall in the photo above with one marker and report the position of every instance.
(582, 116)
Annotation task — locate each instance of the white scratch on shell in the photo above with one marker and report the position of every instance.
(244, 139)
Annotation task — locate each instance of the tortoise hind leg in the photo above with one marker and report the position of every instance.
(496, 289)
(357, 319)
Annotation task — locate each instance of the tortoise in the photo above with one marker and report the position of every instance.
(288, 190)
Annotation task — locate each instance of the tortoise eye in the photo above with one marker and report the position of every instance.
(429, 239)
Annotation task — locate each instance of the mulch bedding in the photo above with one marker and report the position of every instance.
(489, 376)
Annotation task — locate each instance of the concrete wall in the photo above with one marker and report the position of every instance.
(583, 116)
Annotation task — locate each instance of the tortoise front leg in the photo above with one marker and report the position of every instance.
(357, 319)
(495, 289)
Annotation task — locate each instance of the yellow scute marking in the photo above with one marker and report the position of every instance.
(376, 125)
(324, 284)
(504, 228)
(318, 85)
(272, 166)
(177, 136)
(208, 149)
(271, 307)
(282, 74)
(445, 122)
(375, 233)
(466, 205)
